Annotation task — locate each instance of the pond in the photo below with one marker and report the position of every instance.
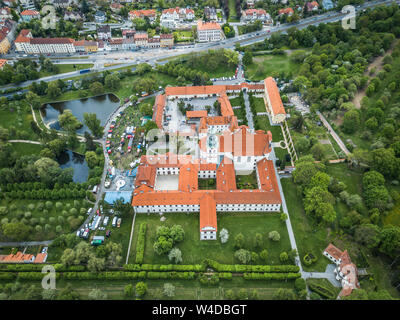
(102, 106)
(69, 159)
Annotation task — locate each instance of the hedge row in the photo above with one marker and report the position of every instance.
(225, 275)
(171, 275)
(164, 267)
(107, 275)
(317, 286)
(141, 242)
(46, 194)
(250, 268)
(33, 275)
(7, 276)
(38, 267)
(271, 276)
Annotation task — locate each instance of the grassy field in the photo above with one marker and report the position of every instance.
(207, 184)
(64, 68)
(262, 123)
(308, 238)
(195, 251)
(184, 36)
(26, 149)
(259, 105)
(232, 11)
(270, 65)
(184, 290)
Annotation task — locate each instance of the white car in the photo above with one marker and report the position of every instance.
(44, 250)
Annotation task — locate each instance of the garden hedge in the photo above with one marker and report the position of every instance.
(140, 243)
(240, 268)
(164, 267)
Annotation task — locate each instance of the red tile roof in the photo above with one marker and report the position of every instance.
(207, 25)
(29, 13)
(158, 109)
(196, 114)
(41, 258)
(271, 89)
(208, 212)
(286, 11)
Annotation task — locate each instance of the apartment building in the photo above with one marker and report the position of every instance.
(170, 17)
(209, 31)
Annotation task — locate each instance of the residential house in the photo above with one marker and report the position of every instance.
(128, 43)
(19, 257)
(128, 33)
(100, 17)
(166, 40)
(312, 6)
(115, 44)
(28, 15)
(170, 17)
(142, 14)
(104, 32)
(346, 272)
(27, 44)
(116, 7)
(2, 63)
(5, 43)
(210, 14)
(286, 11)
(209, 31)
(5, 13)
(73, 16)
(63, 3)
(251, 15)
(85, 46)
(141, 39)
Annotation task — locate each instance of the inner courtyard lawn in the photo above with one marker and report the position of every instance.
(195, 251)
(262, 123)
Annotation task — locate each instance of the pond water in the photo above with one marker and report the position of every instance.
(69, 159)
(102, 106)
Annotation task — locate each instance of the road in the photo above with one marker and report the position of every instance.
(153, 56)
(333, 134)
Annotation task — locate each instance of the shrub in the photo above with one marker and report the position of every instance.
(141, 243)
(274, 236)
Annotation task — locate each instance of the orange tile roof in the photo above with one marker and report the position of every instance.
(40, 258)
(226, 107)
(242, 142)
(29, 13)
(145, 175)
(145, 13)
(194, 90)
(207, 25)
(266, 174)
(286, 11)
(274, 96)
(19, 257)
(25, 32)
(196, 114)
(257, 11)
(226, 178)
(333, 251)
(158, 109)
(208, 212)
(2, 63)
(188, 178)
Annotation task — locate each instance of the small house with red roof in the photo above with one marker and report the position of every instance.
(28, 15)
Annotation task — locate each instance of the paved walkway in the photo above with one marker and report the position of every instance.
(130, 239)
(328, 274)
(333, 134)
(24, 141)
(25, 244)
(249, 114)
(285, 210)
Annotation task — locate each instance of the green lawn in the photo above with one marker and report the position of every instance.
(26, 149)
(247, 181)
(232, 11)
(262, 123)
(259, 105)
(184, 36)
(195, 251)
(234, 101)
(64, 68)
(308, 238)
(207, 184)
(264, 66)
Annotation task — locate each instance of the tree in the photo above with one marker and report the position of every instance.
(141, 289)
(96, 88)
(283, 257)
(91, 159)
(244, 256)
(385, 162)
(128, 291)
(351, 121)
(367, 234)
(239, 241)
(68, 121)
(318, 202)
(93, 123)
(283, 217)
(230, 295)
(175, 255)
(16, 231)
(224, 235)
(247, 58)
(112, 81)
(284, 294)
(177, 233)
(242, 294)
(53, 90)
(96, 264)
(97, 294)
(264, 255)
(169, 290)
(258, 240)
(389, 240)
(68, 293)
(274, 236)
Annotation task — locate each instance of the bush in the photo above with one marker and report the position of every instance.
(323, 288)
